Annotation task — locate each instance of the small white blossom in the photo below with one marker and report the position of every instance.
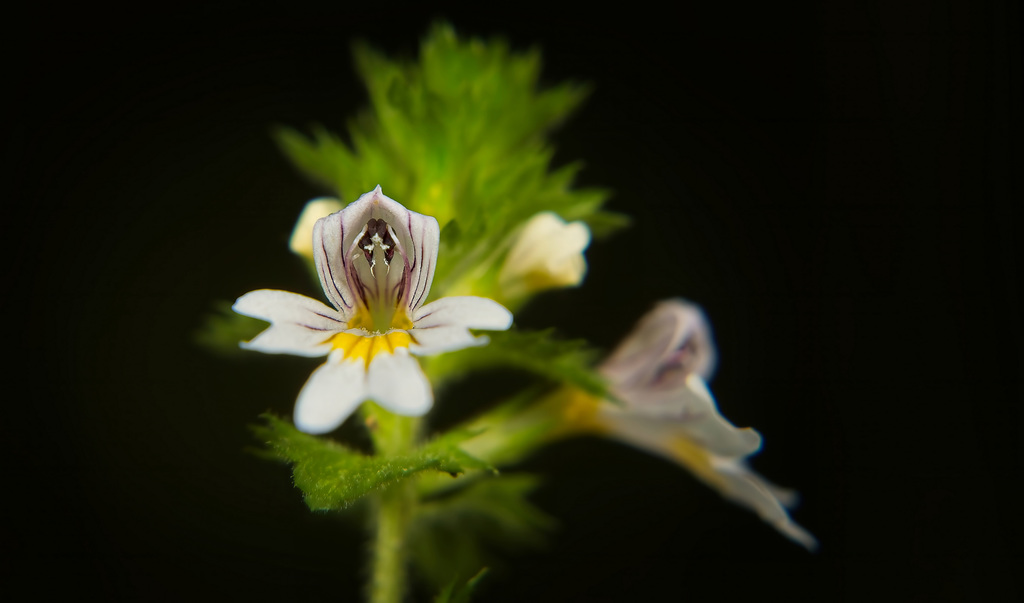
(547, 253)
(301, 241)
(659, 372)
(376, 261)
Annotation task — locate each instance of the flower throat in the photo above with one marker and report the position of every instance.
(383, 290)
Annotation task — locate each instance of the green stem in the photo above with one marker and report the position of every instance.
(395, 507)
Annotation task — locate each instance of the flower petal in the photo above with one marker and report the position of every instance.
(396, 382)
(745, 487)
(437, 340)
(692, 410)
(443, 325)
(468, 311)
(334, 237)
(299, 325)
(330, 256)
(330, 395)
(669, 343)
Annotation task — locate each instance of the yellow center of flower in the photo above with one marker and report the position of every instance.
(365, 347)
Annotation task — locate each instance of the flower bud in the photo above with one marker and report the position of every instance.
(301, 242)
(547, 254)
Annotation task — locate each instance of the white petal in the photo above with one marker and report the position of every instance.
(330, 251)
(443, 325)
(470, 312)
(690, 410)
(670, 342)
(743, 486)
(437, 340)
(396, 382)
(299, 325)
(330, 395)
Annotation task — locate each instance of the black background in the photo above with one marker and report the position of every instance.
(837, 183)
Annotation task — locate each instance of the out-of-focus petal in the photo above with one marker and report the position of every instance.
(331, 394)
(669, 343)
(396, 382)
(691, 410)
(745, 487)
(301, 241)
(299, 325)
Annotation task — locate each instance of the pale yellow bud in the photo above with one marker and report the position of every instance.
(546, 254)
(301, 242)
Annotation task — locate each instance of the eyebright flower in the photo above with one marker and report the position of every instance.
(547, 253)
(301, 241)
(659, 372)
(376, 261)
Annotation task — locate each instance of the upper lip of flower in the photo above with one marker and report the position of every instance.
(669, 343)
(347, 267)
(378, 318)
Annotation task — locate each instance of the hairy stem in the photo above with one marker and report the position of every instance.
(395, 506)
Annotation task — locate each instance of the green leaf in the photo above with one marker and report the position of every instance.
(332, 476)
(224, 329)
(460, 593)
(540, 352)
(476, 524)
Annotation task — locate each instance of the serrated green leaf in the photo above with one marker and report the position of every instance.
(476, 524)
(332, 476)
(223, 329)
(540, 352)
(455, 592)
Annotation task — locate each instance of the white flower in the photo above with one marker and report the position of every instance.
(659, 372)
(301, 241)
(376, 260)
(547, 253)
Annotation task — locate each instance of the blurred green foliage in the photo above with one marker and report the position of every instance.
(473, 523)
(539, 352)
(455, 592)
(223, 329)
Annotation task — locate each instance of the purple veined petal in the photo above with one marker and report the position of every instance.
(746, 488)
(397, 383)
(345, 271)
(331, 394)
(299, 325)
(332, 265)
(669, 343)
(466, 311)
